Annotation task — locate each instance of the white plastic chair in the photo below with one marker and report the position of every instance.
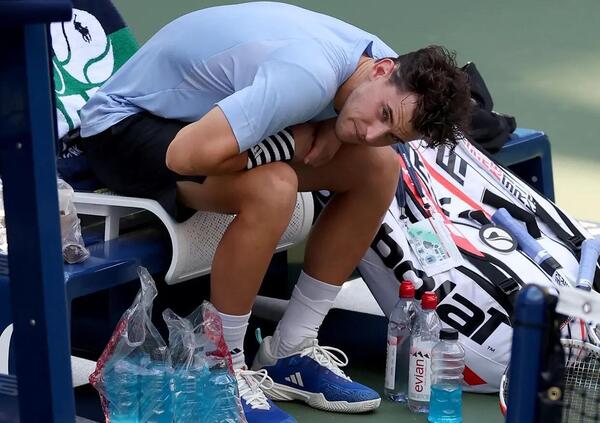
(194, 241)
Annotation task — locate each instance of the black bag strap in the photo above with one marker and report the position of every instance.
(489, 266)
(476, 215)
(498, 202)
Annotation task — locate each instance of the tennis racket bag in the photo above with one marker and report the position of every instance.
(463, 188)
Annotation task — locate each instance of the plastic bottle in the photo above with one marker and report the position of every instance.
(447, 365)
(188, 394)
(220, 402)
(155, 392)
(121, 390)
(398, 344)
(424, 335)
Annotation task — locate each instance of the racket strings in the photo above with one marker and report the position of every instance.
(581, 394)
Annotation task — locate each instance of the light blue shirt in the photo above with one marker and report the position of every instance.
(266, 65)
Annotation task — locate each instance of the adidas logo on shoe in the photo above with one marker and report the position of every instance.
(296, 379)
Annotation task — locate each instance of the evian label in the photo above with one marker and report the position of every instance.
(419, 371)
(390, 363)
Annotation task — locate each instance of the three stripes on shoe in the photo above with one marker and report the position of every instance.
(295, 378)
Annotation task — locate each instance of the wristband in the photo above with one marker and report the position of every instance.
(274, 148)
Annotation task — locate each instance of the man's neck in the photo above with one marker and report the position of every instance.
(360, 74)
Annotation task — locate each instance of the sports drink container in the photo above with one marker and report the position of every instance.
(424, 335)
(447, 365)
(122, 390)
(188, 394)
(155, 391)
(398, 344)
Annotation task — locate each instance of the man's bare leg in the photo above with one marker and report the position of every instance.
(364, 180)
(263, 199)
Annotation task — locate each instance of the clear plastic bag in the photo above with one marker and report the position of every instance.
(204, 385)
(141, 380)
(134, 372)
(73, 247)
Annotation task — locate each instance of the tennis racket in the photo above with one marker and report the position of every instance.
(578, 393)
(534, 249)
(571, 392)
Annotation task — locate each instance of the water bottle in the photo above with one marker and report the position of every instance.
(220, 402)
(188, 394)
(424, 335)
(398, 344)
(447, 365)
(121, 390)
(155, 392)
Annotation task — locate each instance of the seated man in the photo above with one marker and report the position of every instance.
(235, 109)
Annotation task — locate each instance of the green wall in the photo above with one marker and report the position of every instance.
(541, 60)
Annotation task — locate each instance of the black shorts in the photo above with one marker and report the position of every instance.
(129, 159)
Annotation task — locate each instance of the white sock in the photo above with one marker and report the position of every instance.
(234, 332)
(310, 303)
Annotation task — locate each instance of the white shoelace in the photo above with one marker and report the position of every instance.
(250, 385)
(330, 357)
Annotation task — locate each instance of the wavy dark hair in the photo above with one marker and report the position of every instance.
(443, 108)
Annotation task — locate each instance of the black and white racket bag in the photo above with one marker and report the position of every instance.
(463, 188)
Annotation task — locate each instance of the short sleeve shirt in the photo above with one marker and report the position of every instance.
(266, 65)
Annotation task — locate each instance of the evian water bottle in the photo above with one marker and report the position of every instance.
(398, 344)
(424, 335)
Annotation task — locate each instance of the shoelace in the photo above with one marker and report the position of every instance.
(250, 385)
(326, 356)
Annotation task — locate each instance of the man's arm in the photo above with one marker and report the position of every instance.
(206, 147)
(209, 147)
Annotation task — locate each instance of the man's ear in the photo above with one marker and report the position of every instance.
(382, 68)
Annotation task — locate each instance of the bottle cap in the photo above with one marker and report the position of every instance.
(449, 334)
(407, 289)
(429, 300)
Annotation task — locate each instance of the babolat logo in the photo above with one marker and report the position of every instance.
(467, 317)
(392, 256)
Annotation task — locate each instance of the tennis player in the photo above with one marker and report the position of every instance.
(235, 109)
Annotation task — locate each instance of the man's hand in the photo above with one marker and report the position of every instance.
(325, 145)
(304, 137)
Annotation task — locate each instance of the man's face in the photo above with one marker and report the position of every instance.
(376, 113)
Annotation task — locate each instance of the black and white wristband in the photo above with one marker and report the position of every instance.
(274, 148)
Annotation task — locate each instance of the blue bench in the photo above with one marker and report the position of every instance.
(527, 153)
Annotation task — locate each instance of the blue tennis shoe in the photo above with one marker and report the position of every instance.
(313, 375)
(257, 407)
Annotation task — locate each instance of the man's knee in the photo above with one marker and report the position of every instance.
(385, 164)
(271, 189)
(380, 169)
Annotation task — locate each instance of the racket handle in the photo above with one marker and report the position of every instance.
(590, 250)
(527, 243)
